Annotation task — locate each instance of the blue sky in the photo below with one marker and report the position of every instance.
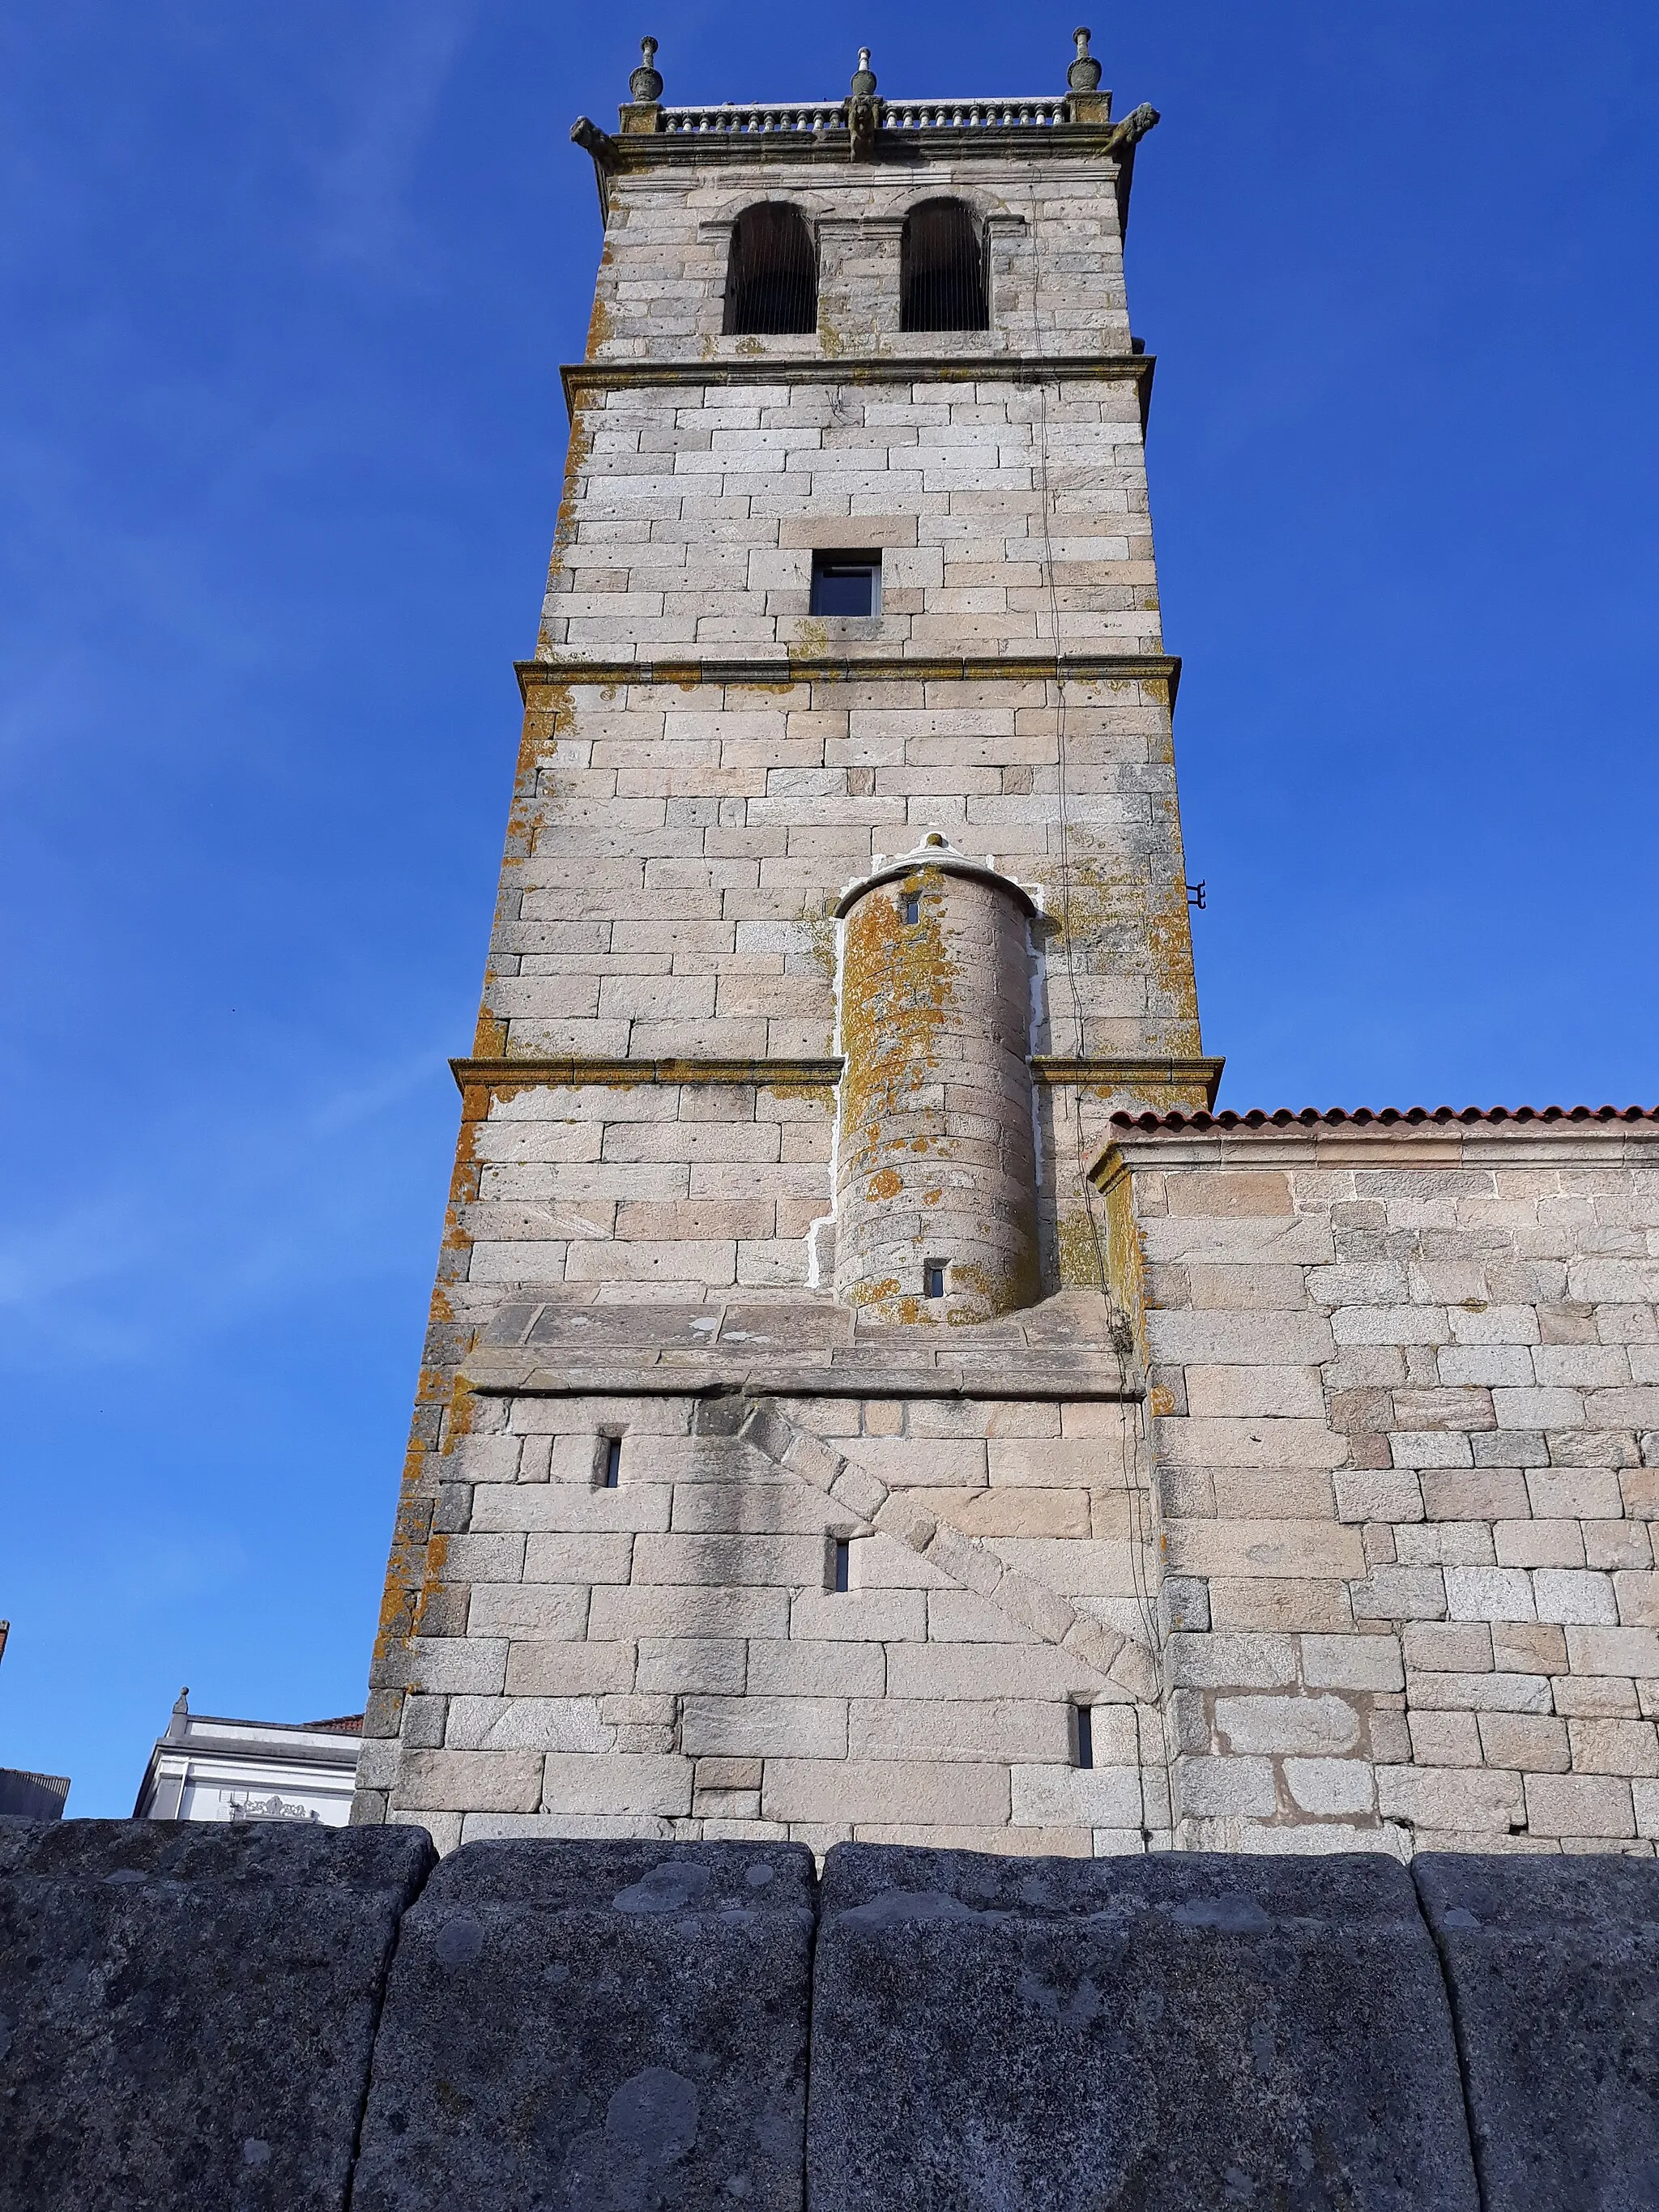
(285, 293)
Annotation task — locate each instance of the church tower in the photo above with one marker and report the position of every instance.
(780, 1465)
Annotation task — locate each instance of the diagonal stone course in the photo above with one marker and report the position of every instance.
(969, 1561)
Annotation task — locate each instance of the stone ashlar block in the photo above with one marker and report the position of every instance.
(596, 2023)
(190, 2009)
(1169, 2031)
(1312, 1725)
(1553, 1965)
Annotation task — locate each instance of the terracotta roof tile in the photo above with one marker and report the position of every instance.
(1308, 1117)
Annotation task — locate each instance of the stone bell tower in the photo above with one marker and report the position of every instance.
(780, 1464)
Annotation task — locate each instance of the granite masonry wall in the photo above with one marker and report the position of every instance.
(1299, 1500)
(642, 1241)
(1405, 1394)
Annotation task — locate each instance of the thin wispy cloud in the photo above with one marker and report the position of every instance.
(365, 183)
(216, 1219)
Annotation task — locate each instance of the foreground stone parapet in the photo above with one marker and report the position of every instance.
(186, 2012)
(268, 2018)
(603, 2025)
(1553, 1967)
(1167, 2033)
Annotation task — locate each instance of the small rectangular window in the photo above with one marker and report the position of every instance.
(846, 583)
(1083, 1725)
(840, 1565)
(910, 906)
(932, 1278)
(610, 1466)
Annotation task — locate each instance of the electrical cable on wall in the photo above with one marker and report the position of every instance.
(1137, 1492)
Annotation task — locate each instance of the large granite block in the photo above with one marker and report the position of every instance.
(186, 2011)
(1554, 1965)
(598, 2027)
(1174, 2033)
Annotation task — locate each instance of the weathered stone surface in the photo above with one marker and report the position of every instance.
(730, 1084)
(186, 2011)
(1166, 2033)
(605, 2027)
(1553, 1965)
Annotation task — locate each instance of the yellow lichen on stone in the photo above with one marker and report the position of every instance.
(1080, 1250)
(1126, 1254)
(819, 922)
(1102, 912)
(896, 993)
(598, 323)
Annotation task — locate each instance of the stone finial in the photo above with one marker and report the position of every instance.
(863, 110)
(1083, 74)
(646, 83)
(180, 1714)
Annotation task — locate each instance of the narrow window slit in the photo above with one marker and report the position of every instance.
(910, 906)
(1083, 1722)
(610, 1463)
(841, 1564)
(932, 1278)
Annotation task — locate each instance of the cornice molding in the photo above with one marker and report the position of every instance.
(797, 1074)
(1126, 1072)
(1115, 1072)
(1019, 1376)
(630, 151)
(581, 377)
(785, 670)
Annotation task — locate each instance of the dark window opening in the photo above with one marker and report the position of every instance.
(772, 276)
(932, 1278)
(910, 906)
(846, 583)
(1083, 1722)
(609, 1469)
(841, 1565)
(942, 270)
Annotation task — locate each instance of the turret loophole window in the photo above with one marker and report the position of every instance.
(771, 274)
(942, 270)
(607, 1463)
(910, 906)
(932, 1278)
(846, 583)
(840, 1576)
(1083, 1736)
